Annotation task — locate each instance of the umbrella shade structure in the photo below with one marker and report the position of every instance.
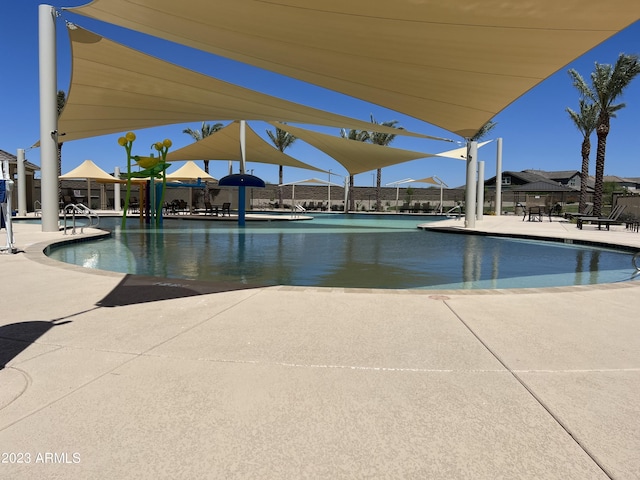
(241, 180)
(90, 171)
(310, 181)
(190, 171)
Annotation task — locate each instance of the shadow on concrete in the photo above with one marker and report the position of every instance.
(17, 337)
(135, 289)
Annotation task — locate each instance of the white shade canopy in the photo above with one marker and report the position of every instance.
(90, 170)
(225, 145)
(189, 171)
(453, 63)
(311, 181)
(459, 153)
(355, 156)
(115, 88)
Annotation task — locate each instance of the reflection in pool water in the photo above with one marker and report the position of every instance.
(345, 251)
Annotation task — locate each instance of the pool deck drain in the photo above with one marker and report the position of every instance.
(293, 382)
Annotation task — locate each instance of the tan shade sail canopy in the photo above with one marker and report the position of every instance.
(453, 63)
(189, 171)
(225, 145)
(430, 180)
(89, 170)
(115, 89)
(459, 153)
(311, 181)
(355, 156)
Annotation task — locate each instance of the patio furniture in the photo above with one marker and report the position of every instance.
(536, 213)
(606, 221)
(210, 209)
(226, 208)
(588, 212)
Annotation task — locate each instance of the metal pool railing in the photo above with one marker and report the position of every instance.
(82, 211)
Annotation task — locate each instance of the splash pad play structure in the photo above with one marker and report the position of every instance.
(152, 168)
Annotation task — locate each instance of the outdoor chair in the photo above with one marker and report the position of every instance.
(134, 206)
(77, 196)
(588, 212)
(210, 209)
(536, 213)
(226, 208)
(606, 221)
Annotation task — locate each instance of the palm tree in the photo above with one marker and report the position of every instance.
(359, 136)
(585, 121)
(282, 140)
(607, 85)
(205, 130)
(484, 131)
(62, 100)
(385, 139)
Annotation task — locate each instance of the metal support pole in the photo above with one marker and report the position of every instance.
(480, 204)
(241, 206)
(499, 177)
(22, 184)
(48, 118)
(470, 195)
(116, 191)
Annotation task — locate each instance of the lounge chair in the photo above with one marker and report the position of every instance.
(588, 212)
(226, 208)
(607, 221)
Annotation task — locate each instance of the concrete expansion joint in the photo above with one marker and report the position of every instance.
(536, 397)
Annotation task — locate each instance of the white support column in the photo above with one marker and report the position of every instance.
(480, 204)
(470, 196)
(346, 193)
(48, 118)
(499, 177)
(22, 184)
(116, 191)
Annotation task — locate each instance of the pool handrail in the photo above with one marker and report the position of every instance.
(82, 210)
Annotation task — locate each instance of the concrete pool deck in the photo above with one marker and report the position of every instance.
(304, 382)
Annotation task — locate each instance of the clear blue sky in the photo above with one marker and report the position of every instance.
(536, 130)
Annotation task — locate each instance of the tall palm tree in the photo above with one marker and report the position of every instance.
(385, 139)
(282, 140)
(358, 136)
(205, 130)
(607, 85)
(585, 121)
(62, 100)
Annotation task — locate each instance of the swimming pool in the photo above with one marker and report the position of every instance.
(336, 250)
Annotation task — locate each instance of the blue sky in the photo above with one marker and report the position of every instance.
(536, 130)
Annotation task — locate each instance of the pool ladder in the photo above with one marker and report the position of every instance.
(82, 211)
(457, 215)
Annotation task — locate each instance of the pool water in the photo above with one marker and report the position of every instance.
(335, 250)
